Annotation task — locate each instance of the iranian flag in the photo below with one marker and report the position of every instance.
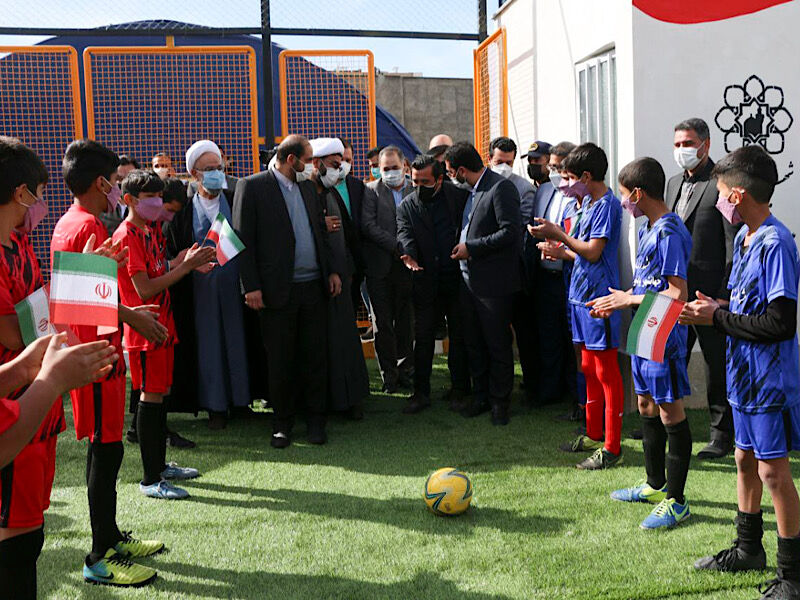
(225, 239)
(34, 316)
(654, 321)
(83, 291)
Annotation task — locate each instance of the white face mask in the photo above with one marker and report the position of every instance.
(503, 169)
(162, 172)
(331, 177)
(345, 169)
(305, 174)
(555, 178)
(393, 178)
(687, 157)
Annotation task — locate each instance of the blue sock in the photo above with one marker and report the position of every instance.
(581, 388)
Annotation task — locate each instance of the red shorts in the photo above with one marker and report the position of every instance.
(151, 370)
(25, 485)
(99, 410)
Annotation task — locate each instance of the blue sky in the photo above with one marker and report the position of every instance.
(432, 58)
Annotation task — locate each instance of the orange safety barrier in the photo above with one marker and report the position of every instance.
(490, 87)
(145, 100)
(40, 104)
(330, 93)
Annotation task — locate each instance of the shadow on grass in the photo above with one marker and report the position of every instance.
(403, 513)
(209, 582)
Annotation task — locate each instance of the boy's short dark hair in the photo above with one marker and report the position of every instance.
(174, 190)
(562, 149)
(124, 160)
(423, 161)
(84, 161)
(373, 152)
(750, 168)
(646, 174)
(19, 164)
(587, 157)
(504, 144)
(464, 154)
(138, 181)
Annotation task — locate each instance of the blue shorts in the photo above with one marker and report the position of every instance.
(595, 334)
(666, 382)
(768, 435)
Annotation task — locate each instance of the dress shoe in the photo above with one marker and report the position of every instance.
(475, 408)
(390, 387)
(280, 439)
(500, 414)
(457, 400)
(132, 436)
(417, 402)
(176, 440)
(715, 449)
(317, 436)
(217, 421)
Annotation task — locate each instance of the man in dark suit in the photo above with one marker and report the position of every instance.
(428, 221)
(488, 251)
(692, 194)
(287, 274)
(351, 191)
(388, 280)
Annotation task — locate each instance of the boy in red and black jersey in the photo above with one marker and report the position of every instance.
(90, 171)
(27, 480)
(145, 280)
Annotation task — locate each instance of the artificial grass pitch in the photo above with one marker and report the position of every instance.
(347, 520)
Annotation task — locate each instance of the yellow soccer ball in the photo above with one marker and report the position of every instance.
(448, 491)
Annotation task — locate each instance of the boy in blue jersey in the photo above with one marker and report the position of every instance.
(763, 367)
(661, 262)
(593, 247)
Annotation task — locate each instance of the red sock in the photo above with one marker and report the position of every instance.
(607, 371)
(594, 396)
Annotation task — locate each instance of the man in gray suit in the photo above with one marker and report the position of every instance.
(388, 279)
(488, 253)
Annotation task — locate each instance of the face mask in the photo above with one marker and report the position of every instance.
(114, 195)
(34, 215)
(149, 209)
(393, 178)
(687, 157)
(162, 172)
(331, 177)
(345, 169)
(535, 172)
(576, 190)
(632, 207)
(305, 174)
(729, 211)
(426, 193)
(503, 170)
(213, 180)
(376, 172)
(555, 179)
(165, 215)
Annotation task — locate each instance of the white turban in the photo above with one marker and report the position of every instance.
(199, 148)
(326, 146)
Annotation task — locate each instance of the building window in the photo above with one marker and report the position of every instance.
(597, 99)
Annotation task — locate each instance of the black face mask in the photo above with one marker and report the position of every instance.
(426, 194)
(536, 173)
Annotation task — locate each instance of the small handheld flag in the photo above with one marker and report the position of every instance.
(225, 240)
(83, 290)
(34, 316)
(654, 321)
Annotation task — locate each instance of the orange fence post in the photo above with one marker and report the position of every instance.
(40, 104)
(490, 87)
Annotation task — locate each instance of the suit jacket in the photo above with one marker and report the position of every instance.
(355, 187)
(712, 236)
(527, 196)
(379, 228)
(415, 229)
(493, 237)
(262, 222)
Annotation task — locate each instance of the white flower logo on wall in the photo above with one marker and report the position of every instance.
(755, 114)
